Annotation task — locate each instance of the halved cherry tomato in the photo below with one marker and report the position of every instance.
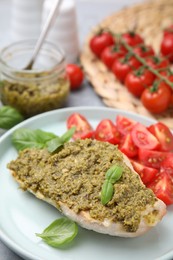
(167, 46)
(156, 98)
(167, 164)
(144, 50)
(122, 67)
(112, 53)
(128, 147)
(106, 131)
(147, 174)
(143, 138)
(163, 135)
(151, 158)
(132, 38)
(162, 186)
(124, 124)
(100, 41)
(83, 127)
(137, 81)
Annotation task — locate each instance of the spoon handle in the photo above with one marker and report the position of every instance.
(48, 24)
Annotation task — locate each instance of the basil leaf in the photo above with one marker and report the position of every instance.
(114, 173)
(57, 142)
(60, 232)
(9, 117)
(68, 135)
(28, 138)
(107, 192)
(54, 144)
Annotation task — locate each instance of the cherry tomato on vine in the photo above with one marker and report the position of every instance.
(156, 98)
(157, 62)
(100, 41)
(171, 101)
(112, 53)
(123, 66)
(75, 75)
(166, 47)
(132, 38)
(168, 30)
(137, 81)
(144, 50)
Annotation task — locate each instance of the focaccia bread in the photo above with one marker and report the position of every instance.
(72, 178)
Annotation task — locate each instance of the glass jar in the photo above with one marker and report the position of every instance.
(44, 88)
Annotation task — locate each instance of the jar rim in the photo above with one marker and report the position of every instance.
(11, 69)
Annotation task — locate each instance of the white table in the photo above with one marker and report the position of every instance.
(89, 13)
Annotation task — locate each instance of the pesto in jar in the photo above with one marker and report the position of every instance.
(34, 93)
(75, 175)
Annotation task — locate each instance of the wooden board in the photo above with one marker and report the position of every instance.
(149, 18)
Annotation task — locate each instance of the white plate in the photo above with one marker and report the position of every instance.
(22, 215)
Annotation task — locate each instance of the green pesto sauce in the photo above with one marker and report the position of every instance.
(34, 97)
(75, 176)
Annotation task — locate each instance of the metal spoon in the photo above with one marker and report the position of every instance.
(48, 24)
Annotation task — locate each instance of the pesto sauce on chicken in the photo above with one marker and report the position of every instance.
(75, 175)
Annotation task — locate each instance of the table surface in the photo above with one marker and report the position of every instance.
(89, 13)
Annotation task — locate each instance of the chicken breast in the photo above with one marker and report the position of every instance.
(72, 178)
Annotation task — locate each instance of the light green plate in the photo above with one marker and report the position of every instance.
(22, 215)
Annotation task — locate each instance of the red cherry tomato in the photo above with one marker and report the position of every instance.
(157, 62)
(171, 101)
(137, 81)
(132, 38)
(166, 47)
(124, 124)
(112, 53)
(162, 186)
(122, 67)
(163, 135)
(167, 164)
(143, 139)
(100, 41)
(75, 75)
(157, 98)
(151, 158)
(106, 131)
(144, 50)
(83, 127)
(147, 174)
(128, 147)
(168, 30)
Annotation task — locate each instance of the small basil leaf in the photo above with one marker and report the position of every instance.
(54, 144)
(44, 137)
(68, 135)
(28, 138)
(114, 173)
(57, 142)
(60, 232)
(9, 117)
(106, 192)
